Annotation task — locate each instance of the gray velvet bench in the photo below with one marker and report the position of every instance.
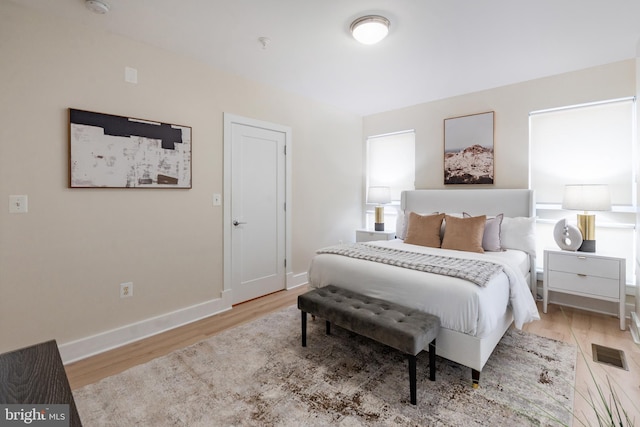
(402, 328)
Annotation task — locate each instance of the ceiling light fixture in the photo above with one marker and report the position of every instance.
(97, 6)
(370, 29)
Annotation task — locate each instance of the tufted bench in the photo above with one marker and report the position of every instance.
(402, 328)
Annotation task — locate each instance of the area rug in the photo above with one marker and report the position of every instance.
(258, 374)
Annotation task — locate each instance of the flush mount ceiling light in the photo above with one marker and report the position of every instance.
(370, 29)
(97, 6)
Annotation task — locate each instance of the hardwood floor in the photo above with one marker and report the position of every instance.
(93, 369)
(584, 328)
(563, 324)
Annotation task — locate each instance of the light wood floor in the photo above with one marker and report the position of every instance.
(109, 363)
(584, 328)
(563, 324)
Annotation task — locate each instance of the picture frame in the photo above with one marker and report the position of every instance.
(109, 151)
(468, 149)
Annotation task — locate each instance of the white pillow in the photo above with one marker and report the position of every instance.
(401, 224)
(519, 233)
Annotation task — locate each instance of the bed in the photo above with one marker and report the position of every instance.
(474, 317)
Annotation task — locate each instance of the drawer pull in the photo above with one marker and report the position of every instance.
(582, 257)
(581, 275)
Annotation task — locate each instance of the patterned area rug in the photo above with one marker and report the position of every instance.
(259, 374)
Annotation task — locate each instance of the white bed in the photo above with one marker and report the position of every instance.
(473, 318)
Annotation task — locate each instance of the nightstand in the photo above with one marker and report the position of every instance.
(363, 235)
(581, 279)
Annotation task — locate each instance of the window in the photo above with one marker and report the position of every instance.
(586, 144)
(390, 163)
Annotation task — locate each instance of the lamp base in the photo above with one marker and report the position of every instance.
(379, 221)
(587, 226)
(587, 246)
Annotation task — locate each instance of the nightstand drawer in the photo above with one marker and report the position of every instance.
(583, 284)
(573, 263)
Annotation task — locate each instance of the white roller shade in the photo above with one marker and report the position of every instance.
(586, 144)
(391, 162)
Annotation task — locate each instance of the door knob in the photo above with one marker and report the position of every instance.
(237, 223)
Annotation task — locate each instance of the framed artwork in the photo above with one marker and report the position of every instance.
(468, 149)
(122, 152)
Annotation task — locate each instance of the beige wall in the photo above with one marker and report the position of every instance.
(61, 264)
(512, 105)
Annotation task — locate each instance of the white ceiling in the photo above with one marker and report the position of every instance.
(435, 48)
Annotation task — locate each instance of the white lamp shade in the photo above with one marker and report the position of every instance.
(370, 29)
(587, 197)
(379, 195)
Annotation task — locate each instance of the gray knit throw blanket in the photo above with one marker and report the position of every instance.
(476, 271)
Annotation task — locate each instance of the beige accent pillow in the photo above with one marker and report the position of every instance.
(424, 230)
(464, 234)
(492, 230)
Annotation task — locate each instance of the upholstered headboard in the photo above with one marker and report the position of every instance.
(510, 202)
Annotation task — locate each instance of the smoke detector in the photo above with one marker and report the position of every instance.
(97, 6)
(264, 42)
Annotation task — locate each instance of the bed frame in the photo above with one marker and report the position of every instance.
(461, 348)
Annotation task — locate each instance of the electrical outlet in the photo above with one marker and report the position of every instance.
(126, 290)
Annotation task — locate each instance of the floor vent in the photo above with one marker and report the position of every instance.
(609, 356)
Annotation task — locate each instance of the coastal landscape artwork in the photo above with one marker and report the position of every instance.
(122, 152)
(468, 149)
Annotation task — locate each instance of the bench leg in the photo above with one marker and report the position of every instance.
(304, 328)
(432, 360)
(412, 377)
(328, 327)
(475, 377)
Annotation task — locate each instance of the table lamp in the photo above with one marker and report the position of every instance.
(587, 198)
(379, 196)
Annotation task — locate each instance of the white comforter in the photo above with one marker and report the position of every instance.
(461, 305)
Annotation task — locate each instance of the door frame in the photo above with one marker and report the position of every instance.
(229, 120)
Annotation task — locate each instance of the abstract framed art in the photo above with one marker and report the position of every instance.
(468, 149)
(122, 152)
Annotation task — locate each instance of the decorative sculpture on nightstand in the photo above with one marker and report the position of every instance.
(567, 236)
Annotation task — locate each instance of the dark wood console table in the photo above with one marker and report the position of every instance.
(36, 375)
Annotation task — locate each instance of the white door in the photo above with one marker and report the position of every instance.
(257, 229)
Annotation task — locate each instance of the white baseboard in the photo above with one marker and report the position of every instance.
(85, 347)
(293, 281)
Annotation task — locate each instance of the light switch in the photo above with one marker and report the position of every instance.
(18, 204)
(217, 200)
(130, 75)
